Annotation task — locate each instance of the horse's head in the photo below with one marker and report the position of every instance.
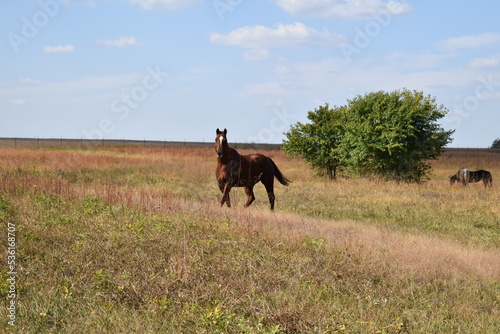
(220, 142)
(453, 179)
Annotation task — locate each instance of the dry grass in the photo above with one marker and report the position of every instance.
(132, 240)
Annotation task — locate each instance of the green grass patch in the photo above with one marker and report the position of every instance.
(88, 266)
(103, 247)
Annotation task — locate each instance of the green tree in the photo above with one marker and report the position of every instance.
(393, 135)
(317, 141)
(496, 143)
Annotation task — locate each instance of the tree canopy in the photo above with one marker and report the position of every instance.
(388, 134)
(317, 141)
(496, 143)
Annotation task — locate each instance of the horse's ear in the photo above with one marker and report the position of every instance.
(225, 131)
(217, 131)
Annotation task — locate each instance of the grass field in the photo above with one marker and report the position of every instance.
(132, 240)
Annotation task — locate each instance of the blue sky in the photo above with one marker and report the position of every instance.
(178, 69)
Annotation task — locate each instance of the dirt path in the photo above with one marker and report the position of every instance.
(406, 253)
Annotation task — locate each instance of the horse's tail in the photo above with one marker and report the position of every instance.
(283, 180)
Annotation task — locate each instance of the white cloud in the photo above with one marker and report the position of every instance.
(119, 43)
(352, 9)
(420, 60)
(18, 102)
(164, 4)
(471, 41)
(256, 54)
(28, 80)
(266, 88)
(285, 35)
(59, 49)
(86, 3)
(76, 91)
(485, 62)
(283, 69)
(318, 79)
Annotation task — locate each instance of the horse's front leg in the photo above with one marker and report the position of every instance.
(250, 195)
(225, 195)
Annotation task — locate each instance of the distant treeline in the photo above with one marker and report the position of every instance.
(64, 142)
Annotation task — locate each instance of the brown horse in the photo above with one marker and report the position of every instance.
(236, 170)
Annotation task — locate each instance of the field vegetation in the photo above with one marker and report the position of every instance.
(133, 240)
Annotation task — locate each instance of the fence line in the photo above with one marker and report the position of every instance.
(87, 143)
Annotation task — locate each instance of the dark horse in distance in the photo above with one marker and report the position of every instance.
(466, 176)
(236, 170)
(481, 175)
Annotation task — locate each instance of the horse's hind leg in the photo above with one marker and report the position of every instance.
(270, 192)
(250, 195)
(271, 199)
